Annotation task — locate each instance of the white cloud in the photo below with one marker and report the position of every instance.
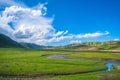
(106, 32)
(116, 39)
(75, 41)
(60, 33)
(30, 25)
(66, 32)
(89, 35)
(8, 3)
(56, 39)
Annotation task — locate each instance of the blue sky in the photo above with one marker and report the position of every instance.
(83, 16)
(66, 21)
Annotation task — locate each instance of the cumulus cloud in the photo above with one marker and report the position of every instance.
(25, 24)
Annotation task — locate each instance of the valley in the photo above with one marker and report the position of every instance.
(34, 64)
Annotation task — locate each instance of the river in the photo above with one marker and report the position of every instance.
(109, 63)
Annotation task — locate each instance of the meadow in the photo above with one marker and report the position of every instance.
(34, 64)
(98, 55)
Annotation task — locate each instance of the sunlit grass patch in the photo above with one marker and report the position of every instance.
(97, 55)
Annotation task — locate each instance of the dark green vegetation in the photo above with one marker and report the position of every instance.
(34, 64)
(114, 75)
(7, 42)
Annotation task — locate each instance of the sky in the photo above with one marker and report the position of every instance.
(60, 22)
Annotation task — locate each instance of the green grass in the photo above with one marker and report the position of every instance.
(33, 63)
(98, 55)
(114, 75)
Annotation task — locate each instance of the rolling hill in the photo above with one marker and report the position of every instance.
(6, 42)
(108, 45)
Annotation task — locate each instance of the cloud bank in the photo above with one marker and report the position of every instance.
(25, 24)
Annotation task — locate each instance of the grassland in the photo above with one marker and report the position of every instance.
(33, 64)
(98, 55)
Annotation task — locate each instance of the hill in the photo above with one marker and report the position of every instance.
(35, 46)
(6, 42)
(32, 45)
(108, 45)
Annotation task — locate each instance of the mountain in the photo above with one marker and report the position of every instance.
(32, 45)
(35, 46)
(108, 45)
(8, 42)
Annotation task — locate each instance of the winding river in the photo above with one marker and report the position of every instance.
(109, 63)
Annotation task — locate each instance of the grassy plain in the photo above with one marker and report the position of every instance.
(98, 55)
(33, 64)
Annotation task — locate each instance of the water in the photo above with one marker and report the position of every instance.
(109, 64)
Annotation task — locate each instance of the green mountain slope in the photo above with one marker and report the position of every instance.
(8, 42)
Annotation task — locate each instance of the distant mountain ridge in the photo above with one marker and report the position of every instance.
(32, 45)
(93, 45)
(5, 42)
(35, 46)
